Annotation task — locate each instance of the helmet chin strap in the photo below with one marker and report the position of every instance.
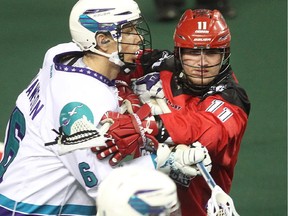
(113, 57)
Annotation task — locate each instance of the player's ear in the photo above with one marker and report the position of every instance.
(103, 41)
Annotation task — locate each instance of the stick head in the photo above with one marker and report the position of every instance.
(220, 204)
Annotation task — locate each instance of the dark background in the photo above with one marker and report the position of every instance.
(259, 58)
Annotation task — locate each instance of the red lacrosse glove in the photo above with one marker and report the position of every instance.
(129, 135)
(128, 101)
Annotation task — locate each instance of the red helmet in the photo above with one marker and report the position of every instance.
(202, 28)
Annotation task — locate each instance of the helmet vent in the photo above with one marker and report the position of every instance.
(93, 11)
(124, 13)
(223, 38)
(202, 13)
(181, 37)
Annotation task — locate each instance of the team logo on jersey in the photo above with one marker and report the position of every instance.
(219, 88)
(73, 112)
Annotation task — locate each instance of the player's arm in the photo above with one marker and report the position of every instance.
(216, 126)
(129, 102)
(131, 86)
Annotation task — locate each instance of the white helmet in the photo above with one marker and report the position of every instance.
(136, 191)
(89, 17)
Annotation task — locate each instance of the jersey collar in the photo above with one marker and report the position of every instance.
(59, 66)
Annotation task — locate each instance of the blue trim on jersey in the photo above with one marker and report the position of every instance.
(153, 157)
(26, 208)
(80, 70)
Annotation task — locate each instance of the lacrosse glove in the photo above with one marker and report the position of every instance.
(129, 134)
(157, 60)
(180, 161)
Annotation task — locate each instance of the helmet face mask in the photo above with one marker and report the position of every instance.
(140, 29)
(91, 17)
(202, 33)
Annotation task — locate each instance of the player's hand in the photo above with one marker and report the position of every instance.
(128, 101)
(182, 158)
(128, 132)
(157, 60)
(149, 86)
(206, 161)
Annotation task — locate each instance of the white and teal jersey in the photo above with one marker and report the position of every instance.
(34, 178)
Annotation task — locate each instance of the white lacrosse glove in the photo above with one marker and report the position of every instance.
(148, 86)
(207, 160)
(180, 162)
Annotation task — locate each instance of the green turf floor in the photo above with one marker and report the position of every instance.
(259, 58)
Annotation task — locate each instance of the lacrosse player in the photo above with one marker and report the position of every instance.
(47, 167)
(197, 98)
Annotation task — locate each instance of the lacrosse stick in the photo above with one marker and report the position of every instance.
(85, 135)
(220, 203)
(163, 105)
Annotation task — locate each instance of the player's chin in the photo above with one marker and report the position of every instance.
(200, 80)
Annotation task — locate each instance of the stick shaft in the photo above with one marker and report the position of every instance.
(206, 175)
(163, 105)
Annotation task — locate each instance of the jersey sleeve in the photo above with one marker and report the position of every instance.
(60, 48)
(214, 122)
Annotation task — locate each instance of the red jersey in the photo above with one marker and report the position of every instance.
(217, 120)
